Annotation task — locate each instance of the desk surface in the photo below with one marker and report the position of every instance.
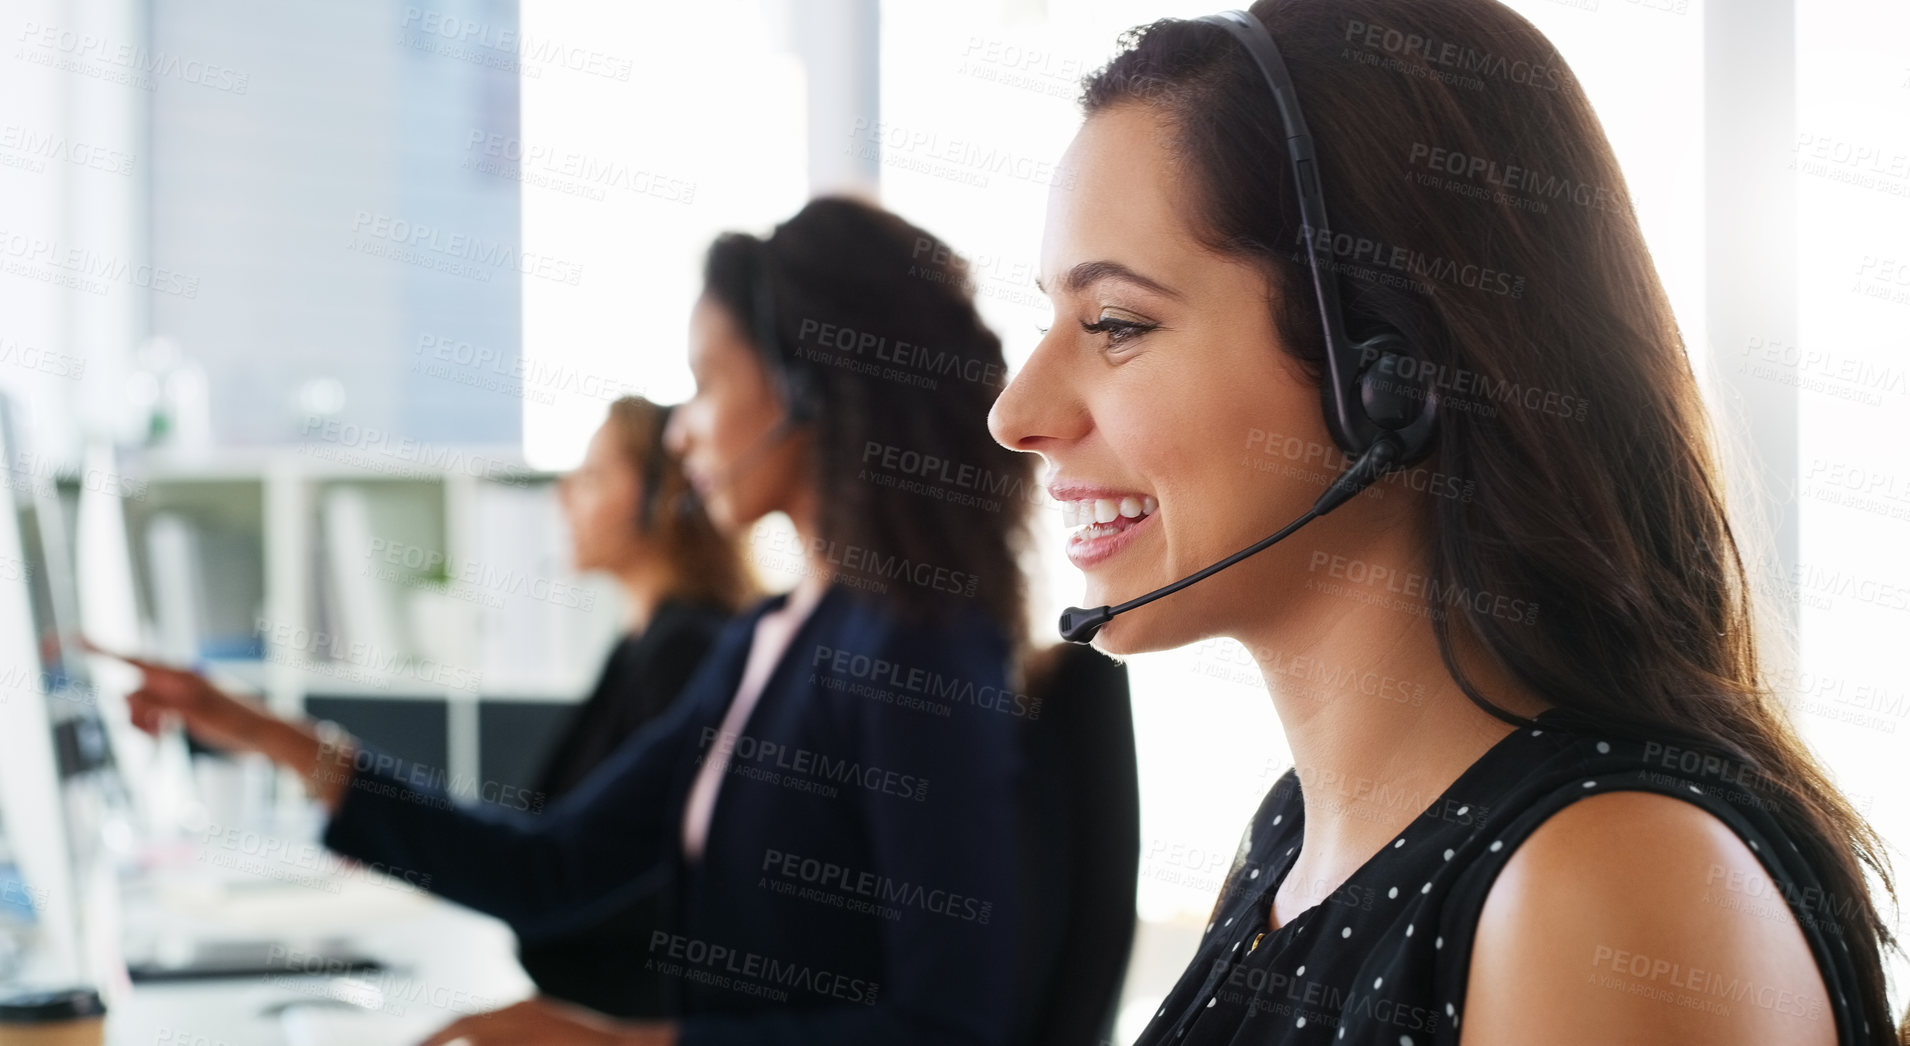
(443, 962)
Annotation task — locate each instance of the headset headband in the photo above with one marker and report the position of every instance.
(653, 468)
(1347, 418)
(794, 384)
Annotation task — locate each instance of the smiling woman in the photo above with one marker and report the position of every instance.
(1507, 856)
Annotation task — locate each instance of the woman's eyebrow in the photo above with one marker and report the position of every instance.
(1089, 273)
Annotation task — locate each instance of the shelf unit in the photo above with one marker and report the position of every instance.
(448, 633)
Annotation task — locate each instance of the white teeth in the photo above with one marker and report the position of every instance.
(1092, 518)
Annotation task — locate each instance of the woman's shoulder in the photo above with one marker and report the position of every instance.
(680, 625)
(1626, 885)
(909, 674)
(1625, 912)
(690, 615)
(878, 623)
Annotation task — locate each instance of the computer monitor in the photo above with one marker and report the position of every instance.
(81, 740)
(30, 786)
(157, 773)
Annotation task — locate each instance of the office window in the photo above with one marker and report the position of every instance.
(688, 120)
(1850, 365)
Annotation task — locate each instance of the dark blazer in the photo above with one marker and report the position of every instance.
(640, 681)
(858, 883)
(1080, 824)
(595, 966)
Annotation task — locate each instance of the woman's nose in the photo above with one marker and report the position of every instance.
(1040, 406)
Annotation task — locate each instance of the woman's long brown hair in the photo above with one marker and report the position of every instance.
(911, 486)
(703, 566)
(1478, 208)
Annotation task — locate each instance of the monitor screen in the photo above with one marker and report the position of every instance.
(31, 806)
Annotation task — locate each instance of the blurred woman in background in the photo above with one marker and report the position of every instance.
(682, 580)
(630, 517)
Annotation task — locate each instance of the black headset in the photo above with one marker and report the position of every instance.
(1365, 396)
(1380, 417)
(653, 471)
(798, 386)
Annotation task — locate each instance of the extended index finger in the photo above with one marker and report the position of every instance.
(142, 663)
(455, 1032)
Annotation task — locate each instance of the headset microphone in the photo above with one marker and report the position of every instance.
(1079, 625)
(1378, 414)
(799, 389)
(747, 460)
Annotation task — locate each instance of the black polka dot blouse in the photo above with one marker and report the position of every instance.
(1383, 960)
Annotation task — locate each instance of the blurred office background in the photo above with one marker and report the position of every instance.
(325, 294)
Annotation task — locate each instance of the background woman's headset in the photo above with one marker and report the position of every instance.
(797, 384)
(653, 463)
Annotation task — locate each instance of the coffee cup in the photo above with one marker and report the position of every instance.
(64, 1017)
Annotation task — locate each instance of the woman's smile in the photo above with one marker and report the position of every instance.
(1102, 521)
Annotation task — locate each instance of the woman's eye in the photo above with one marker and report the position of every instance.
(1119, 329)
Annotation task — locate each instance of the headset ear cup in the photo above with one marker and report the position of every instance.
(652, 473)
(688, 505)
(1393, 398)
(653, 507)
(805, 399)
(1397, 392)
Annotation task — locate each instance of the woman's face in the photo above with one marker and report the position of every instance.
(729, 435)
(1163, 414)
(601, 499)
